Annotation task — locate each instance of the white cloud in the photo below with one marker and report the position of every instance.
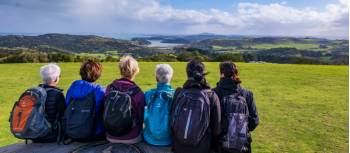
(150, 16)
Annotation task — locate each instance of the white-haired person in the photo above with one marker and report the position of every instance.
(158, 104)
(55, 101)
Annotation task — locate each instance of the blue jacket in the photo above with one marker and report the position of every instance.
(165, 138)
(80, 89)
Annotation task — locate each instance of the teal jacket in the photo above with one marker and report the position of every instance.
(156, 117)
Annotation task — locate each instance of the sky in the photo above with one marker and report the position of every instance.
(318, 18)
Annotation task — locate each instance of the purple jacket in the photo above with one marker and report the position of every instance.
(138, 103)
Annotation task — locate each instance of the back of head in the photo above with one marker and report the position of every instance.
(195, 70)
(50, 72)
(90, 70)
(229, 70)
(128, 67)
(164, 73)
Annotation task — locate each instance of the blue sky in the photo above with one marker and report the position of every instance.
(320, 18)
(229, 5)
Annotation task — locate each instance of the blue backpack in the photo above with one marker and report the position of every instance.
(157, 114)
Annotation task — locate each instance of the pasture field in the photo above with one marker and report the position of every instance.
(302, 108)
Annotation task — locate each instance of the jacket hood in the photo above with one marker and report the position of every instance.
(81, 88)
(123, 83)
(228, 84)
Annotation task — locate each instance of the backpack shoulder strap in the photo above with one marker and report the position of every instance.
(134, 90)
(178, 91)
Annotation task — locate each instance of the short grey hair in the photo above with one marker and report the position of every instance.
(50, 72)
(164, 73)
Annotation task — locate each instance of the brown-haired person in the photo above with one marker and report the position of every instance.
(195, 114)
(86, 90)
(239, 114)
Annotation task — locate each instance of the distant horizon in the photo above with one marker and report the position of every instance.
(128, 36)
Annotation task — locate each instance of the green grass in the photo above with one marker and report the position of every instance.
(99, 55)
(284, 45)
(302, 108)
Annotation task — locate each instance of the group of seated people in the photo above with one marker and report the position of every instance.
(192, 118)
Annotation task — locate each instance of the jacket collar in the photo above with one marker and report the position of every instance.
(163, 86)
(48, 86)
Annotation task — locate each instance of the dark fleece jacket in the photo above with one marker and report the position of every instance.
(214, 125)
(227, 86)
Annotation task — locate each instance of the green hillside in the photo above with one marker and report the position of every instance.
(302, 108)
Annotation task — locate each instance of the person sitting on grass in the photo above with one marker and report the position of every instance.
(158, 100)
(238, 106)
(124, 105)
(55, 102)
(84, 102)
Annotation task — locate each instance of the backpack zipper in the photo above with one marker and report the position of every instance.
(19, 117)
(188, 122)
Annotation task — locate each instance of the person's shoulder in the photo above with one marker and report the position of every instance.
(149, 92)
(99, 88)
(247, 93)
(246, 90)
(171, 90)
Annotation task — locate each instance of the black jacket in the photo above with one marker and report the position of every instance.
(227, 86)
(54, 109)
(214, 125)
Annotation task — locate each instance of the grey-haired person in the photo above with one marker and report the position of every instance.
(55, 101)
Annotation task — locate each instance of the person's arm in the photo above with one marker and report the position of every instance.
(173, 103)
(99, 97)
(253, 113)
(215, 114)
(61, 105)
(68, 96)
(139, 99)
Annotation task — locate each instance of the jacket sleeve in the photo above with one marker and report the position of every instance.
(173, 103)
(68, 95)
(61, 106)
(139, 98)
(215, 114)
(253, 113)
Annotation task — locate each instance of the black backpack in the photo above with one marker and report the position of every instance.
(191, 117)
(117, 116)
(79, 117)
(235, 122)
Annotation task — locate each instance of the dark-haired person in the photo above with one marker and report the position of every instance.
(90, 71)
(228, 85)
(195, 114)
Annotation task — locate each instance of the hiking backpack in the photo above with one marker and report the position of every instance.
(235, 122)
(28, 117)
(157, 114)
(79, 117)
(191, 116)
(117, 116)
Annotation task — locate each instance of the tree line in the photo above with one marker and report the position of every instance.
(291, 56)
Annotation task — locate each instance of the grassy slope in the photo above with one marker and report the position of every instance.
(302, 108)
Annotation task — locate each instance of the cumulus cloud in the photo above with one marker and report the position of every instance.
(151, 16)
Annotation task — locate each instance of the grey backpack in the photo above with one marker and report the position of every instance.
(28, 118)
(235, 122)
